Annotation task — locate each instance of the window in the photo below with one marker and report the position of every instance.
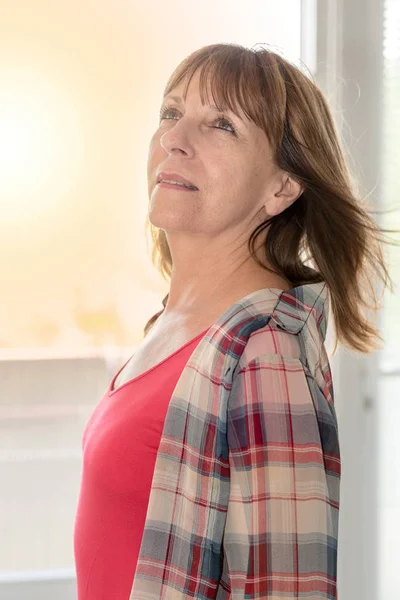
(83, 89)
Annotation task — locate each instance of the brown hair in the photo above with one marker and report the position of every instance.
(328, 224)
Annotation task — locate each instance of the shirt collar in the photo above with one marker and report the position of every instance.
(290, 309)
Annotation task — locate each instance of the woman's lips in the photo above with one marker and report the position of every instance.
(175, 187)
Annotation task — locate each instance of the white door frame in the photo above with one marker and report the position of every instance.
(341, 44)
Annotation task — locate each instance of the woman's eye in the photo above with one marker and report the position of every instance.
(165, 111)
(227, 125)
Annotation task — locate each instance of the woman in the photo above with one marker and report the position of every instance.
(212, 464)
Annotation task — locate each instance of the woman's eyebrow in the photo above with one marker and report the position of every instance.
(178, 99)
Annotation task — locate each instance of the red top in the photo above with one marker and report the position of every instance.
(120, 444)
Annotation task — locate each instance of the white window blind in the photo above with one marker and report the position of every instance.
(390, 177)
(389, 380)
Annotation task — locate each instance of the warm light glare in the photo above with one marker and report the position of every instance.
(40, 140)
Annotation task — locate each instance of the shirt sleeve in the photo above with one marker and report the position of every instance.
(281, 531)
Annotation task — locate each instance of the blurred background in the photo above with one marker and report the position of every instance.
(80, 89)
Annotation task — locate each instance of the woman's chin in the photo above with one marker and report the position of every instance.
(164, 220)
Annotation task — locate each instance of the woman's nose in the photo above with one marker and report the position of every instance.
(178, 138)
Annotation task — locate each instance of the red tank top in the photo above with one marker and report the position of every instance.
(120, 444)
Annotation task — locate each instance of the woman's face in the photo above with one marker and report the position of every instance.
(228, 159)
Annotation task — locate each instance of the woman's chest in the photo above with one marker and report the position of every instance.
(154, 350)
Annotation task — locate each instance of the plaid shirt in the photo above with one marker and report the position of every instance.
(244, 501)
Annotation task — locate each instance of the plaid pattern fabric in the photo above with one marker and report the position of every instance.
(244, 502)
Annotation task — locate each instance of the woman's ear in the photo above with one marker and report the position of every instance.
(289, 192)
